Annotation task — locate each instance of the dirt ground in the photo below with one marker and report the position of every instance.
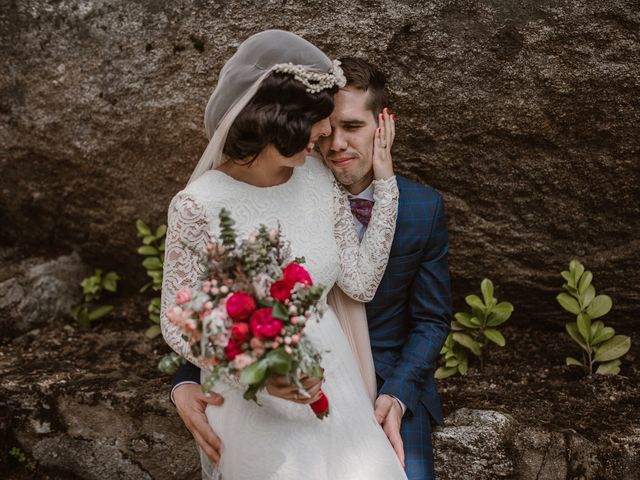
(526, 379)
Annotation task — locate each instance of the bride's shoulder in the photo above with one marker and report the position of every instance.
(199, 193)
(317, 171)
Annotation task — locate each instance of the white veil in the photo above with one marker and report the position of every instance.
(242, 75)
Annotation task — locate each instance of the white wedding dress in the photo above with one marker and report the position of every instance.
(279, 439)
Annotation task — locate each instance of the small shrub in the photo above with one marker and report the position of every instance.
(473, 331)
(22, 458)
(93, 288)
(599, 343)
(153, 250)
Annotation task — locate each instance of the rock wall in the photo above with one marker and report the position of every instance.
(525, 115)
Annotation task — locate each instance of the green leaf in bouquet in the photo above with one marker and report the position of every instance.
(254, 373)
(573, 361)
(609, 368)
(99, 312)
(153, 331)
(495, 336)
(613, 348)
(170, 363)
(486, 287)
(600, 306)
(279, 311)
(278, 361)
(568, 303)
(252, 391)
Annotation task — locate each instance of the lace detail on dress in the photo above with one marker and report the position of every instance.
(362, 264)
(187, 234)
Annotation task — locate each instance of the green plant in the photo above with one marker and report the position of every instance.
(22, 458)
(473, 331)
(93, 288)
(153, 250)
(599, 343)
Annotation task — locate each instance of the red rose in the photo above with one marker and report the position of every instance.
(240, 306)
(296, 273)
(232, 349)
(281, 290)
(321, 406)
(240, 332)
(263, 325)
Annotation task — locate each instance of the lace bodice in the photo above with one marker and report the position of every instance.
(314, 214)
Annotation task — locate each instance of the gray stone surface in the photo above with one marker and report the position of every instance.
(484, 444)
(525, 115)
(36, 291)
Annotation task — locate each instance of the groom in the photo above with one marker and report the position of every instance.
(410, 313)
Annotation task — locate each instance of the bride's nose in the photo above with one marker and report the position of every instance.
(323, 128)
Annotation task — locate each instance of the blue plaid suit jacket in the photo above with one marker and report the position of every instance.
(410, 315)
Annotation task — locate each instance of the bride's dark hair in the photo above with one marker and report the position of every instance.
(281, 113)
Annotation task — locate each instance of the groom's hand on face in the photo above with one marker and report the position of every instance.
(191, 404)
(388, 413)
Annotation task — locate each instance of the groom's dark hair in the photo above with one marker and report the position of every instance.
(367, 77)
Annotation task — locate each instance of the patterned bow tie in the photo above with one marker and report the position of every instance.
(361, 209)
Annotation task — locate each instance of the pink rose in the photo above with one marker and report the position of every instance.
(183, 296)
(296, 273)
(263, 325)
(243, 360)
(240, 306)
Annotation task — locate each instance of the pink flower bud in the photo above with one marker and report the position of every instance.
(287, 340)
(288, 349)
(295, 338)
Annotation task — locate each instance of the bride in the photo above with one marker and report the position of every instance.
(270, 106)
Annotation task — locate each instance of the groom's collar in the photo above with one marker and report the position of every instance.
(366, 194)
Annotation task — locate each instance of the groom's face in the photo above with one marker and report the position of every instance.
(348, 151)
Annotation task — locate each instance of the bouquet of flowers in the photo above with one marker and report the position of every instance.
(246, 320)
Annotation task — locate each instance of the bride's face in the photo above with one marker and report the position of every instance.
(318, 130)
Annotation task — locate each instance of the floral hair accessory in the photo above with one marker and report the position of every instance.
(314, 81)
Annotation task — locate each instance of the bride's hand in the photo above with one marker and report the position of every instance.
(382, 142)
(279, 386)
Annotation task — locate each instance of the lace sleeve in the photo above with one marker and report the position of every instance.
(187, 232)
(362, 264)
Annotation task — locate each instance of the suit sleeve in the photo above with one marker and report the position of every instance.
(430, 317)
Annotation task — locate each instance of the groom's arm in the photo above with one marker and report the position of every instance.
(430, 316)
(186, 373)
